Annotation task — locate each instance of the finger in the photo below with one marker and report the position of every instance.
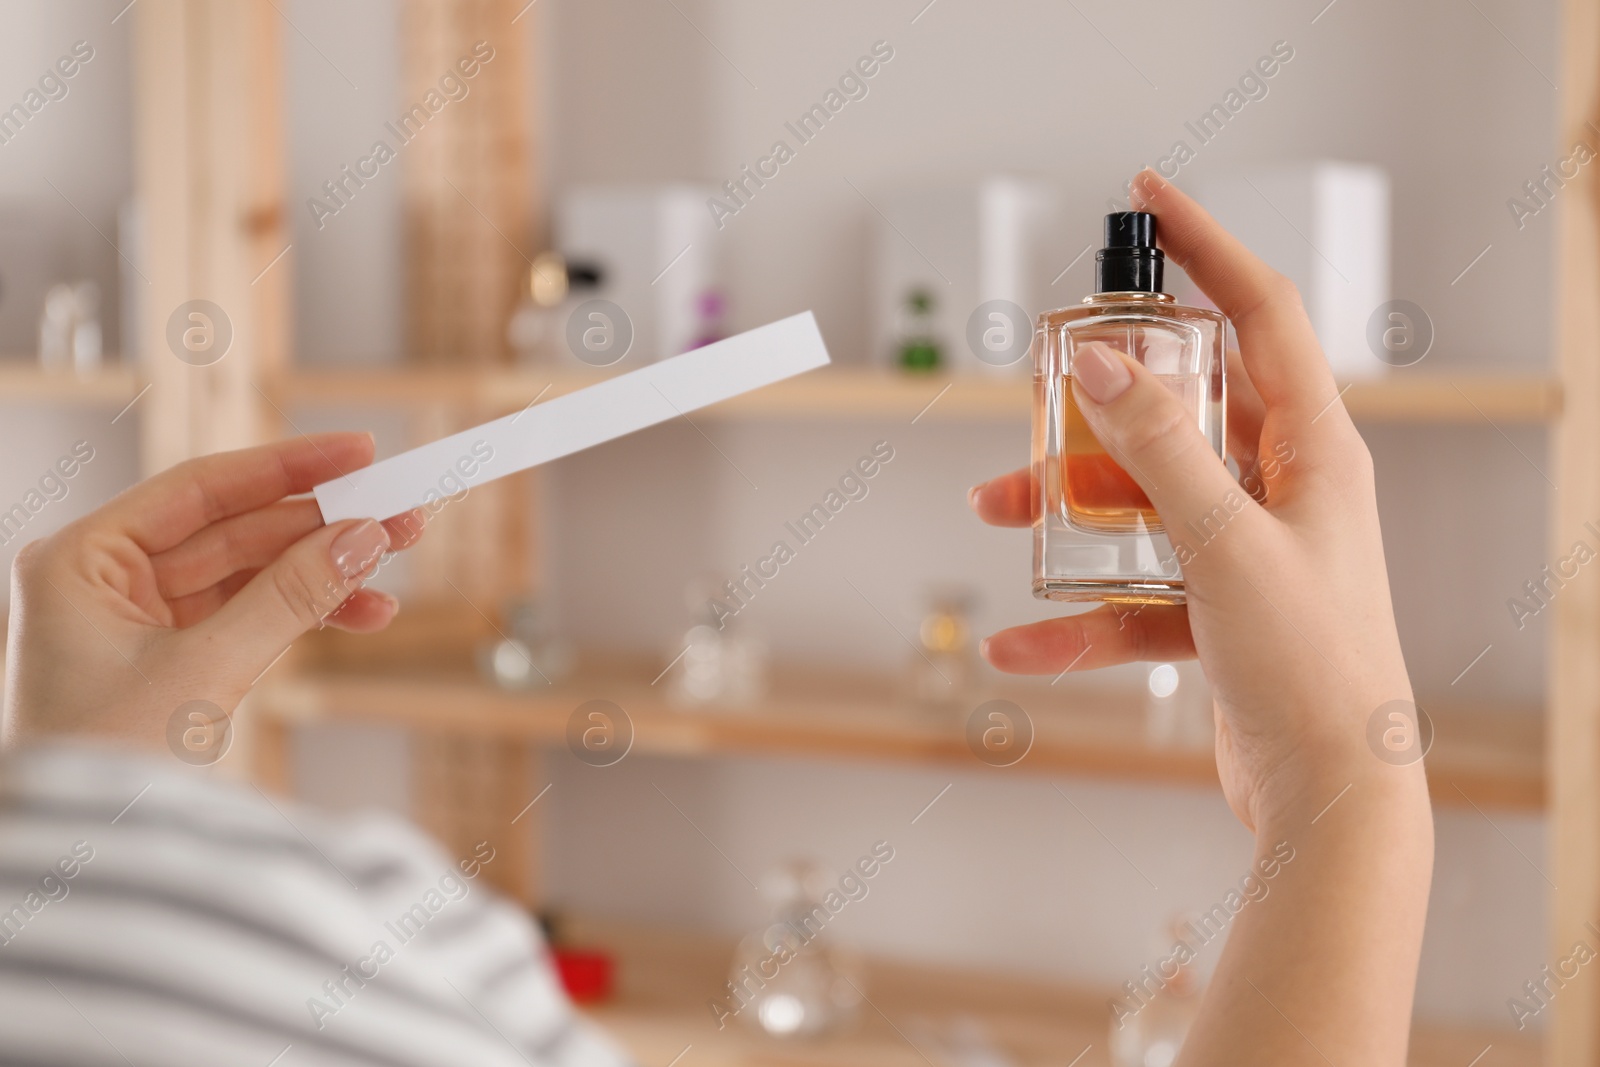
(405, 529)
(248, 541)
(1009, 500)
(1105, 637)
(1013, 499)
(163, 511)
(367, 611)
(293, 594)
(1154, 439)
(251, 541)
(1279, 346)
(1247, 413)
(191, 609)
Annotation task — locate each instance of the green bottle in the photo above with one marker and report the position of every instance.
(919, 351)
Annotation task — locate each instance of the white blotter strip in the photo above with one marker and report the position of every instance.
(655, 393)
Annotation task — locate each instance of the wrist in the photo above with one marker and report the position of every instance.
(1374, 804)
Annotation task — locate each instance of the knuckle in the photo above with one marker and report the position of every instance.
(29, 564)
(1286, 292)
(1156, 431)
(1361, 460)
(304, 597)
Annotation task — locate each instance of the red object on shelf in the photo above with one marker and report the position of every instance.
(586, 973)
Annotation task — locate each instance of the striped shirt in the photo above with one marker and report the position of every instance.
(150, 914)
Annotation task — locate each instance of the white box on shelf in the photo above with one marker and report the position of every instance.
(1326, 226)
(654, 248)
(964, 246)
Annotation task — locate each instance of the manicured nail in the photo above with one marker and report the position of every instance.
(1100, 372)
(357, 549)
(972, 495)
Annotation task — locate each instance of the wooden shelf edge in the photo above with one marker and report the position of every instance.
(844, 392)
(26, 382)
(836, 392)
(1487, 759)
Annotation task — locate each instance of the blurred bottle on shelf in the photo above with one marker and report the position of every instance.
(963, 1041)
(69, 328)
(940, 675)
(713, 307)
(551, 288)
(531, 653)
(1153, 1036)
(918, 345)
(715, 663)
(785, 979)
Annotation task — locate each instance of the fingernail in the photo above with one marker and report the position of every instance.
(972, 495)
(1100, 372)
(983, 648)
(357, 549)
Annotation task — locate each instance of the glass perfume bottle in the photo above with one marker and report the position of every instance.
(918, 347)
(795, 982)
(1096, 536)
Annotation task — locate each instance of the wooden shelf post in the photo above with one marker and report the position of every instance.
(1574, 681)
(210, 178)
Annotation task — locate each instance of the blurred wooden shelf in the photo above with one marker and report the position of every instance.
(22, 380)
(837, 392)
(1492, 758)
(666, 977)
(854, 391)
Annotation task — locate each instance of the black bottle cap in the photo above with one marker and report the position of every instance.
(1130, 262)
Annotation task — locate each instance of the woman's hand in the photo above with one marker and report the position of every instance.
(1288, 609)
(188, 587)
(1288, 597)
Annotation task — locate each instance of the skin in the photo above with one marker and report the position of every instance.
(187, 587)
(1289, 613)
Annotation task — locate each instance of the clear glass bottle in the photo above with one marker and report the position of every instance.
(793, 981)
(941, 672)
(1096, 537)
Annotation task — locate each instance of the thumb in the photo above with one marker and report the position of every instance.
(1156, 439)
(295, 592)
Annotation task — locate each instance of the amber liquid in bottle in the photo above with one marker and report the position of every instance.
(1098, 493)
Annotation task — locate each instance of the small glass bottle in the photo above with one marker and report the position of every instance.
(941, 672)
(918, 346)
(795, 982)
(1096, 536)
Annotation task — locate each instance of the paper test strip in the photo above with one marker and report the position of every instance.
(655, 393)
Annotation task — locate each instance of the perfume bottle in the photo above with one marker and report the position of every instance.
(1096, 536)
(919, 348)
(794, 981)
(941, 673)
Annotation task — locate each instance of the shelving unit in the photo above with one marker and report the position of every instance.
(209, 135)
(1492, 758)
